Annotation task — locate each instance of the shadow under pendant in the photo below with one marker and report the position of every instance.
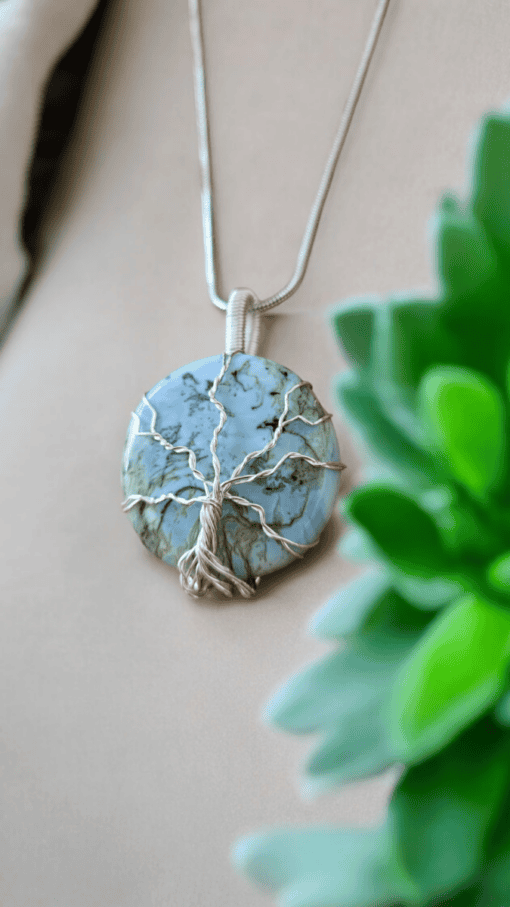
(230, 470)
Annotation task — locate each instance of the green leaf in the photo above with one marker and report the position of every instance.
(429, 594)
(391, 629)
(364, 412)
(442, 811)
(496, 874)
(497, 883)
(325, 867)
(352, 323)
(358, 743)
(329, 692)
(491, 175)
(349, 608)
(498, 573)
(346, 695)
(454, 674)
(475, 281)
(461, 526)
(465, 257)
(359, 749)
(507, 379)
(466, 897)
(450, 203)
(404, 533)
(466, 424)
(502, 710)
(355, 545)
(410, 335)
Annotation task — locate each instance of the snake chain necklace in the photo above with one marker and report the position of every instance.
(231, 465)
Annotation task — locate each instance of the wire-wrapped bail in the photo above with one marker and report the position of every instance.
(243, 322)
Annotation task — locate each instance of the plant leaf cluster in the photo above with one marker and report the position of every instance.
(419, 674)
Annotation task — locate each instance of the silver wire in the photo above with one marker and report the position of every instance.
(326, 180)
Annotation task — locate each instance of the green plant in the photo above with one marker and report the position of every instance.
(420, 678)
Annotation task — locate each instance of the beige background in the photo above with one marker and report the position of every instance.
(132, 750)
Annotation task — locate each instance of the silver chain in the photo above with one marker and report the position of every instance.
(327, 176)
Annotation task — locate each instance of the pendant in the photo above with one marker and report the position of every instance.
(231, 465)
(230, 470)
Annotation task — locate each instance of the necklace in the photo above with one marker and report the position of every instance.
(231, 465)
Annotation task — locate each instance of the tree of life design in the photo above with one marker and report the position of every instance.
(199, 567)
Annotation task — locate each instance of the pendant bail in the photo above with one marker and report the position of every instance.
(243, 322)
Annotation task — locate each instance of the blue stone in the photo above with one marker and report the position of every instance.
(298, 498)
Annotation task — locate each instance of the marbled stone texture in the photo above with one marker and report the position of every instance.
(298, 499)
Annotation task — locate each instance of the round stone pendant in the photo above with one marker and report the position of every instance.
(230, 470)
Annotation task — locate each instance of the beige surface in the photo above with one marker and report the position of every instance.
(133, 754)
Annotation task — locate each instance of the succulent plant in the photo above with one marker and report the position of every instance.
(420, 676)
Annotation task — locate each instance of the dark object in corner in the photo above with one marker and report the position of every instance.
(59, 107)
